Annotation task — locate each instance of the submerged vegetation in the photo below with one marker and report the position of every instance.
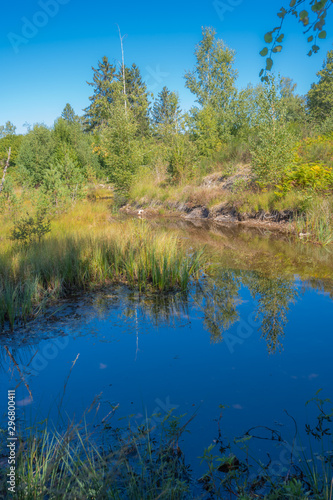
(105, 461)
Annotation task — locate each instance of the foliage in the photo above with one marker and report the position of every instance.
(31, 229)
(166, 112)
(294, 104)
(97, 113)
(313, 19)
(35, 154)
(137, 98)
(308, 177)
(7, 129)
(316, 149)
(213, 83)
(182, 158)
(8, 198)
(272, 148)
(204, 130)
(121, 149)
(13, 142)
(320, 96)
(108, 84)
(213, 79)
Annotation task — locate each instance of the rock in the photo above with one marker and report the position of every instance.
(198, 213)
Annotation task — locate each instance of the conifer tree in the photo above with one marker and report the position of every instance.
(320, 96)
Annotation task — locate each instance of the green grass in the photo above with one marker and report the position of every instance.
(102, 462)
(73, 464)
(67, 262)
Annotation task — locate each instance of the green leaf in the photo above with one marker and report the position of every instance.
(268, 37)
(261, 72)
(278, 48)
(282, 13)
(310, 53)
(310, 38)
(292, 3)
(303, 14)
(269, 63)
(322, 35)
(264, 52)
(280, 38)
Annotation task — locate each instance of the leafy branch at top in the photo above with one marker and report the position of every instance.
(313, 19)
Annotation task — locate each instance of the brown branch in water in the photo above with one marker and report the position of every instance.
(19, 371)
(5, 170)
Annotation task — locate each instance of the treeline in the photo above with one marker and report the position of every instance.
(123, 130)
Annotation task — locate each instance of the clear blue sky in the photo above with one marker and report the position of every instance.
(52, 61)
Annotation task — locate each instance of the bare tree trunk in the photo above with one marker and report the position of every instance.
(123, 65)
(5, 170)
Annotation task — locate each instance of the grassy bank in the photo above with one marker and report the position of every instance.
(231, 191)
(85, 250)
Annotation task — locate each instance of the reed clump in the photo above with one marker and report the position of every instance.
(121, 252)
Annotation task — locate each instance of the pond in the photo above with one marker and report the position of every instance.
(255, 336)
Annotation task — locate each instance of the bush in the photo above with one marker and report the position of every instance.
(31, 229)
(272, 148)
(35, 154)
(307, 176)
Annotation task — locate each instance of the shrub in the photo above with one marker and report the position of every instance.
(30, 229)
(272, 148)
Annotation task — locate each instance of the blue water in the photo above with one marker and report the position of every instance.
(254, 344)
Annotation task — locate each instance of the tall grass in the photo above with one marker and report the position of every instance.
(317, 223)
(121, 252)
(78, 463)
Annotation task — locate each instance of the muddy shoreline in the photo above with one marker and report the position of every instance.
(223, 214)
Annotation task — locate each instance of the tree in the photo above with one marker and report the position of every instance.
(8, 129)
(68, 113)
(120, 146)
(98, 112)
(273, 143)
(13, 142)
(294, 103)
(137, 97)
(213, 79)
(35, 154)
(320, 96)
(166, 109)
(213, 83)
(311, 14)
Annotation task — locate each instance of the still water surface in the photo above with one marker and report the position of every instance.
(256, 336)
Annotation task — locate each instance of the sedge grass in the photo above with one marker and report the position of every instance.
(120, 252)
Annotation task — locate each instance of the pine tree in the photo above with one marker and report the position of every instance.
(68, 113)
(137, 97)
(105, 84)
(320, 96)
(166, 110)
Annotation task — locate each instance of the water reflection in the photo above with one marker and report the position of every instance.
(218, 297)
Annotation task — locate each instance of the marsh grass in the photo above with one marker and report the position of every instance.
(62, 264)
(109, 463)
(102, 461)
(317, 222)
